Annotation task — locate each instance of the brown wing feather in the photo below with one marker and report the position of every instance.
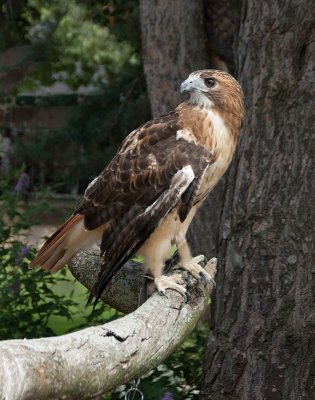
(140, 171)
(133, 234)
(132, 173)
(139, 175)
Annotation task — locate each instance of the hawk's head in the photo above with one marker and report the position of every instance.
(214, 89)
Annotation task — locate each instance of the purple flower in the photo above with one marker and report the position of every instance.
(24, 250)
(167, 396)
(23, 183)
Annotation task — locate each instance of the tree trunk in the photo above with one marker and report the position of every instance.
(263, 343)
(262, 218)
(173, 45)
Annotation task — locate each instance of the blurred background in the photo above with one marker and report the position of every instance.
(76, 77)
(71, 86)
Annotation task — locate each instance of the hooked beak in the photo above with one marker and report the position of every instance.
(186, 86)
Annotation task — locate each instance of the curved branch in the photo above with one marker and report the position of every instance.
(123, 291)
(95, 360)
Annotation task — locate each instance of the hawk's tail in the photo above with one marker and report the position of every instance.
(65, 243)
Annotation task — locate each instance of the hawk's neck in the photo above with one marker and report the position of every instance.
(207, 126)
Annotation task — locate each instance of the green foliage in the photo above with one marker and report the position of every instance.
(71, 46)
(84, 45)
(26, 297)
(30, 299)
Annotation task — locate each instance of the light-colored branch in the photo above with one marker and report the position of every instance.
(123, 291)
(95, 360)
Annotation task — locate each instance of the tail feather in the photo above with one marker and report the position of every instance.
(54, 238)
(65, 243)
(53, 259)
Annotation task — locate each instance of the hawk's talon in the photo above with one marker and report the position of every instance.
(192, 266)
(203, 260)
(186, 298)
(162, 292)
(213, 282)
(148, 277)
(205, 279)
(174, 282)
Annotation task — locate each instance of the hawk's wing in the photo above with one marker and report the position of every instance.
(152, 172)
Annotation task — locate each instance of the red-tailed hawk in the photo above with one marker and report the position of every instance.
(145, 199)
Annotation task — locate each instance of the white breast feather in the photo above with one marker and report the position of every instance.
(223, 146)
(222, 135)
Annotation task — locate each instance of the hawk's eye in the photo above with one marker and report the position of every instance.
(210, 82)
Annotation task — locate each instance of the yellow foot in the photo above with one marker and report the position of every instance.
(193, 267)
(174, 282)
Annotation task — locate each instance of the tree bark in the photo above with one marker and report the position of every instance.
(263, 343)
(173, 45)
(87, 363)
(221, 23)
(86, 266)
(262, 219)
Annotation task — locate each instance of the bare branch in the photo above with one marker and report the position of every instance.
(95, 360)
(125, 287)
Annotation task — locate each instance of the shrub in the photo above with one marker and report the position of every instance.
(27, 299)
